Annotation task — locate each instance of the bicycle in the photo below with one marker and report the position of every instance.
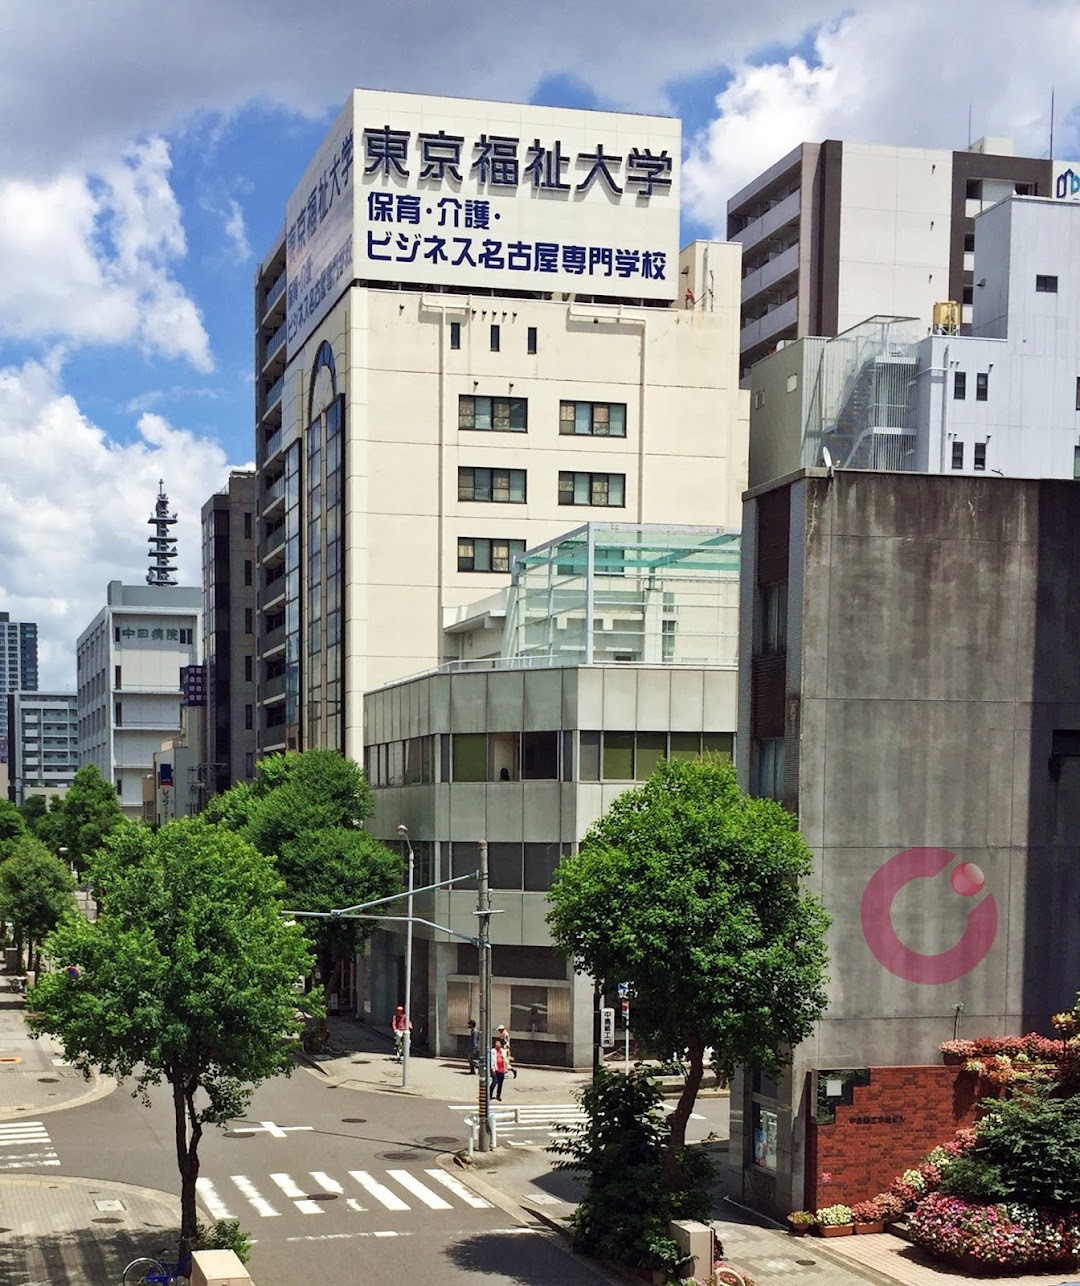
(17, 983)
(157, 1272)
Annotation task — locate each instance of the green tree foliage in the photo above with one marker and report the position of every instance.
(1027, 1149)
(628, 1204)
(690, 890)
(88, 814)
(308, 810)
(35, 891)
(40, 817)
(186, 976)
(12, 826)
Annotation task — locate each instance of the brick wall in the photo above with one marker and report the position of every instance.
(889, 1127)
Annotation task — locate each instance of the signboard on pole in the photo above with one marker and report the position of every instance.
(607, 1028)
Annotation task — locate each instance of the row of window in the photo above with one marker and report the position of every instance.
(508, 487)
(494, 337)
(982, 386)
(535, 756)
(511, 415)
(978, 458)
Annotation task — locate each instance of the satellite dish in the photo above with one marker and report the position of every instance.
(827, 457)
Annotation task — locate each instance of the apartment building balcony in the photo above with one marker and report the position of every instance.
(771, 326)
(770, 223)
(775, 270)
(273, 641)
(272, 400)
(275, 296)
(271, 690)
(274, 495)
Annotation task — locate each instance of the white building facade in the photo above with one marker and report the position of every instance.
(42, 743)
(129, 661)
(477, 329)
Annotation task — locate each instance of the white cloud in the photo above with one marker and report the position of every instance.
(236, 232)
(88, 259)
(894, 73)
(74, 506)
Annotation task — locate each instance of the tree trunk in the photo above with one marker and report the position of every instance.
(679, 1119)
(187, 1156)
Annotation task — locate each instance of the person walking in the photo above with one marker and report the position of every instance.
(504, 1036)
(498, 1071)
(399, 1023)
(473, 1047)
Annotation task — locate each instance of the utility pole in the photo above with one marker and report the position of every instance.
(406, 1041)
(483, 942)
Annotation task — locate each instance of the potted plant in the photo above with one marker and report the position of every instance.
(869, 1216)
(955, 1052)
(800, 1222)
(835, 1221)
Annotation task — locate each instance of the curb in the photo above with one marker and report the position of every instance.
(166, 1199)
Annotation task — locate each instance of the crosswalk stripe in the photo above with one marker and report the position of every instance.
(18, 1140)
(326, 1183)
(458, 1189)
(211, 1200)
(389, 1199)
(31, 1163)
(299, 1197)
(412, 1184)
(262, 1206)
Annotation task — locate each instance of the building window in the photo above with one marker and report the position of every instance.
(249, 717)
(249, 764)
(498, 414)
(980, 456)
(247, 669)
(530, 341)
(969, 243)
(455, 334)
(1045, 285)
(771, 768)
(973, 190)
(495, 334)
(247, 526)
(186, 636)
(593, 419)
(117, 682)
(967, 295)
(249, 620)
(1078, 392)
(119, 714)
(959, 385)
(540, 756)
(667, 640)
(774, 618)
(982, 386)
(957, 455)
(482, 554)
(247, 571)
(469, 756)
(604, 489)
(1076, 462)
(497, 486)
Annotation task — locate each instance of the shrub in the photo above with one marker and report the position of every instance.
(835, 1216)
(889, 1204)
(975, 1179)
(226, 1234)
(1004, 1236)
(868, 1211)
(1034, 1141)
(801, 1218)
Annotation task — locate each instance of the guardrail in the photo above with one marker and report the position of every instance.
(538, 1115)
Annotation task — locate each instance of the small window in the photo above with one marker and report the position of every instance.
(248, 662)
(1023, 189)
(959, 385)
(483, 554)
(249, 620)
(593, 419)
(969, 243)
(980, 456)
(119, 712)
(957, 455)
(493, 414)
(186, 636)
(455, 334)
(967, 295)
(618, 757)
(116, 628)
(247, 571)
(495, 334)
(1076, 462)
(470, 756)
(249, 764)
(973, 190)
(495, 486)
(117, 682)
(249, 717)
(606, 490)
(1045, 285)
(1065, 744)
(247, 526)
(982, 386)
(530, 341)
(540, 756)
(774, 618)
(771, 768)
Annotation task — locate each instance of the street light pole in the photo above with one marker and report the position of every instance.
(483, 942)
(406, 1039)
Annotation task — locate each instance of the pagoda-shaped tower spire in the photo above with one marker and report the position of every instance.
(162, 542)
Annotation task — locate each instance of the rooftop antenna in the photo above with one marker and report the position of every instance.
(969, 128)
(1051, 122)
(162, 543)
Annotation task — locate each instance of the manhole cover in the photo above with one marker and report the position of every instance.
(354, 1120)
(322, 1196)
(441, 1140)
(400, 1156)
(361, 1060)
(236, 1134)
(106, 1219)
(3, 1230)
(48, 1080)
(806, 1263)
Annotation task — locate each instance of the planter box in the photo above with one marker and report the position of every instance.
(835, 1229)
(954, 1060)
(799, 1229)
(862, 1229)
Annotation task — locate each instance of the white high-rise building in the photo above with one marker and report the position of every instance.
(130, 661)
(42, 743)
(476, 331)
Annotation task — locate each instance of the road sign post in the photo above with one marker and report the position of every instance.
(607, 1028)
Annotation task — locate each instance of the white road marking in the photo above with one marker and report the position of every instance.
(326, 1183)
(389, 1199)
(300, 1199)
(343, 1236)
(458, 1189)
(211, 1200)
(31, 1162)
(262, 1206)
(353, 1204)
(25, 1145)
(268, 1127)
(412, 1184)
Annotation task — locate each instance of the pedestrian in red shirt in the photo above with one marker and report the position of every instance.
(498, 1070)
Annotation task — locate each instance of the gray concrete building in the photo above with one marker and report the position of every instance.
(911, 689)
(18, 667)
(42, 743)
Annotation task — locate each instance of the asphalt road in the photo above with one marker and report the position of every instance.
(334, 1185)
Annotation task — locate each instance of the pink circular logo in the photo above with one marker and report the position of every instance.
(921, 864)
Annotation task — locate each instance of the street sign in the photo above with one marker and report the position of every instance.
(625, 1007)
(624, 990)
(607, 1028)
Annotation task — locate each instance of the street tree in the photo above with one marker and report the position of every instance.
(36, 892)
(40, 816)
(88, 813)
(308, 810)
(12, 825)
(689, 890)
(186, 976)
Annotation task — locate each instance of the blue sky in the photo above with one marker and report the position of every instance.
(152, 148)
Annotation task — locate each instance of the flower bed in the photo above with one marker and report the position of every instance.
(995, 1239)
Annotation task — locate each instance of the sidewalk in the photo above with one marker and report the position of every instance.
(362, 1060)
(34, 1079)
